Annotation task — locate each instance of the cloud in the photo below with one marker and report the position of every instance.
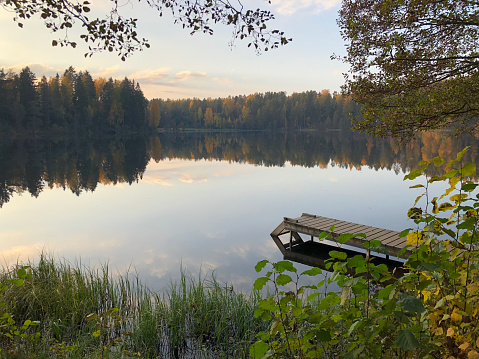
(223, 80)
(188, 178)
(156, 178)
(106, 72)
(188, 75)
(155, 76)
(289, 7)
(19, 254)
(38, 69)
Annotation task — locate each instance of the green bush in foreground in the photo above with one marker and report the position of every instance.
(431, 310)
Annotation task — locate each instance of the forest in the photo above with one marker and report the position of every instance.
(268, 111)
(73, 104)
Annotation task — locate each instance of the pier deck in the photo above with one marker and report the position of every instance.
(288, 237)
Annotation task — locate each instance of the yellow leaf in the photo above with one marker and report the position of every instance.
(426, 294)
(473, 287)
(414, 238)
(450, 332)
(456, 316)
(439, 331)
(473, 354)
(464, 346)
(96, 334)
(458, 197)
(477, 342)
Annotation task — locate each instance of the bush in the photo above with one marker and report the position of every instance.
(429, 310)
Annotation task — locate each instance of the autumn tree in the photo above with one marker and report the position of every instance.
(413, 65)
(114, 32)
(155, 113)
(209, 120)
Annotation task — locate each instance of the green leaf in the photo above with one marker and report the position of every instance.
(324, 235)
(334, 276)
(258, 349)
(259, 283)
(405, 232)
(438, 161)
(412, 304)
(467, 224)
(469, 187)
(282, 266)
(312, 272)
(460, 154)
(354, 354)
(406, 340)
(283, 279)
(260, 265)
(323, 335)
(338, 255)
(317, 317)
(258, 312)
(417, 186)
(21, 273)
(343, 238)
(372, 244)
(469, 169)
(384, 292)
(413, 174)
(18, 282)
(429, 267)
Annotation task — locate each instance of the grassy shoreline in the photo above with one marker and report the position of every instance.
(196, 317)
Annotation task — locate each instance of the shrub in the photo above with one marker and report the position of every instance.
(430, 310)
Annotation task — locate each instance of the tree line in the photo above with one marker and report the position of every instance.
(71, 104)
(268, 111)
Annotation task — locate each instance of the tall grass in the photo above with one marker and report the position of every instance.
(196, 317)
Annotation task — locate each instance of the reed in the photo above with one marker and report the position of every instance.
(195, 317)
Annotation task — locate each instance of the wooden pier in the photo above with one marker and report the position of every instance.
(288, 237)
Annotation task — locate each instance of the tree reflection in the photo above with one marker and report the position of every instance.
(79, 165)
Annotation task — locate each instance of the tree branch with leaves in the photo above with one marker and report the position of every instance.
(116, 33)
(413, 65)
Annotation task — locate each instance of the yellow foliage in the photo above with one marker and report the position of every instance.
(456, 316)
(414, 238)
(426, 294)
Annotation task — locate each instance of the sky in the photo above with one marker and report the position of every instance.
(179, 65)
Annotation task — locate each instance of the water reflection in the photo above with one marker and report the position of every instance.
(197, 202)
(32, 165)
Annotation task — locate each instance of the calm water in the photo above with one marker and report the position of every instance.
(198, 201)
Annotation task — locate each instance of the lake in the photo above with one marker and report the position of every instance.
(197, 201)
